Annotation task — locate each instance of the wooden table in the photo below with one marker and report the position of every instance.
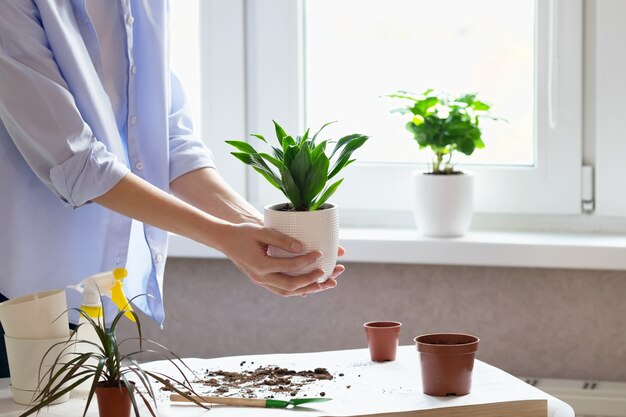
(390, 389)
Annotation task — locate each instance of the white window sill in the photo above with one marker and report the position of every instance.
(484, 248)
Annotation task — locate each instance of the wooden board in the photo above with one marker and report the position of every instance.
(524, 408)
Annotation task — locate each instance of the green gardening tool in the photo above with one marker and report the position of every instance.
(250, 402)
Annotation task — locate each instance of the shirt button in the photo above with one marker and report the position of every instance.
(159, 258)
(139, 166)
(133, 120)
(130, 20)
(133, 70)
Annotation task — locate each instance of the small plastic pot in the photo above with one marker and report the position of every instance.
(113, 401)
(447, 361)
(382, 339)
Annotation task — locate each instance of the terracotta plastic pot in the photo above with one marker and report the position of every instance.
(113, 401)
(382, 339)
(316, 230)
(447, 361)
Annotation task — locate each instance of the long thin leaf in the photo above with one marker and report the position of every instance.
(280, 133)
(242, 146)
(94, 384)
(326, 195)
(322, 128)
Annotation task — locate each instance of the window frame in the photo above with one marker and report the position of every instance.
(553, 186)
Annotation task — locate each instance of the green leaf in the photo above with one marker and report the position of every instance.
(319, 149)
(300, 168)
(242, 146)
(278, 153)
(272, 180)
(344, 141)
(326, 195)
(256, 135)
(352, 145)
(280, 132)
(322, 128)
(290, 189)
(480, 106)
(274, 161)
(316, 180)
(290, 154)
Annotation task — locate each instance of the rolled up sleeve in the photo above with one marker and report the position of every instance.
(41, 116)
(187, 152)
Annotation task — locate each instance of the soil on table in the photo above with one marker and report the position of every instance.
(262, 382)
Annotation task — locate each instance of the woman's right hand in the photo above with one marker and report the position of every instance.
(246, 245)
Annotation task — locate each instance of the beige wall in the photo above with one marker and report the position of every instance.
(532, 322)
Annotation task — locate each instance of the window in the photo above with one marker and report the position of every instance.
(359, 50)
(540, 179)
(185, 52)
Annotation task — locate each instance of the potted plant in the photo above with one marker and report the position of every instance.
(300, 168)
(118, 379)
(445, 125)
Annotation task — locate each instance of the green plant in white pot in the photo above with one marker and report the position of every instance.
(303, 171)
(446, 125)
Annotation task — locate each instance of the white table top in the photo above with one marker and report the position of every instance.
(375, 388)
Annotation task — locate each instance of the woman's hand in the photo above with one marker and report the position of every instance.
(246, 245)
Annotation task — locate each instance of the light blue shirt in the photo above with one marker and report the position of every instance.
(61, 146)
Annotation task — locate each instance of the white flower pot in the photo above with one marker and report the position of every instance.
(316, 230)
(444, 204)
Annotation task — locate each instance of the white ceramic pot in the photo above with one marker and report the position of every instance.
(443, 204)
(36, 316)
(316, 230)
(30, 360)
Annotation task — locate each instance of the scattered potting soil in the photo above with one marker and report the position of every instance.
(262, 382)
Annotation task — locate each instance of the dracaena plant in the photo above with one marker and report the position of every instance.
(106, 366)
(300, 167)
(445, 124)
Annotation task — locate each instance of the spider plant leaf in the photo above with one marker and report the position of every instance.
(280, 132)
(166, 382)
(52, 398)
(326, 195)
(147, 403)
(141, 374)
(242, 146)
(96, 379)
(133, 401)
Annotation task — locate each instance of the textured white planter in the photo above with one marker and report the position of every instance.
(316, 230)
(444, 204)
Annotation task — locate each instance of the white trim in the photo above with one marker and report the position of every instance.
(478, 248)
(552, 186)
(224, 83)
(610, 90)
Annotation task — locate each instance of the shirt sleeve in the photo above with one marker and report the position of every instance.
(187, 152)
(40, 113)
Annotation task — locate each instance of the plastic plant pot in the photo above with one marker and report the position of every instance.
(382, 339)
(113, 401)
(447, 361)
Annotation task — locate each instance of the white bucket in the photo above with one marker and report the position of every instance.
(30, 360)
(36, 316)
